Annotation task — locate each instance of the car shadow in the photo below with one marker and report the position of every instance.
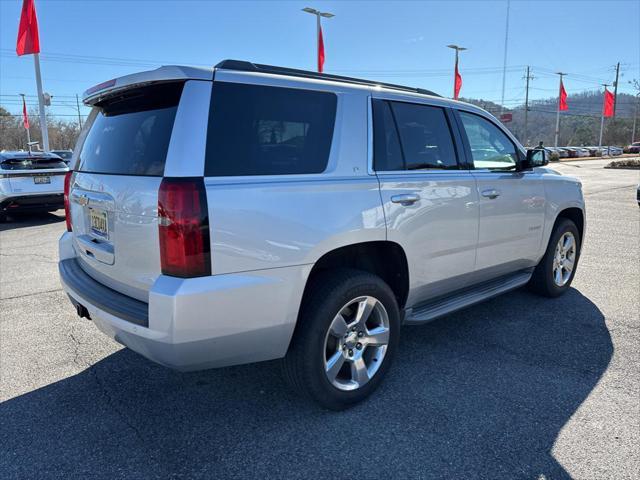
(22, 220)
(482, 393)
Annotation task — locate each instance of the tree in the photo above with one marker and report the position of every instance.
(62, 134)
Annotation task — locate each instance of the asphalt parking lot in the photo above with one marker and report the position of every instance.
(518, 387)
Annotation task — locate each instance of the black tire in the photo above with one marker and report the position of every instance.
(542, 281)
(328, 293)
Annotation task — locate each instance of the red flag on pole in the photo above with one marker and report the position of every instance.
(562, 101)
(609, 102)
(28, 39)
(25, 117)
(320, 50)
(457, 82)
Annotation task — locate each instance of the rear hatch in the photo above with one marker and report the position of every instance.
(114, 194)
(34, 175)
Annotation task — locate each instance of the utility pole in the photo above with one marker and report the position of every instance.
(635, 119)
(605, 85)
(558, 111)
(504, 62)
(615, 90)
(78, 106)
(526, 106)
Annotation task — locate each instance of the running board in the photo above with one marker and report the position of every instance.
(432, 310)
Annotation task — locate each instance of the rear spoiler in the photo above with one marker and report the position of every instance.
(163, 74)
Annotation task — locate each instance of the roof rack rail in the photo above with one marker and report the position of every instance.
(244, 66)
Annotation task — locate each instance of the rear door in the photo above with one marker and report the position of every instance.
(133, 139)
(430, 201)
(512, 203)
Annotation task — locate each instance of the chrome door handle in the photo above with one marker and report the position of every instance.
(405, 199)
(491, 193)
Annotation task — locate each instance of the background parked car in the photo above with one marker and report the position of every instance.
(633, 148)
(580, 151)
(594, 151)
(64, 155)
(31, 182)
(615, 151)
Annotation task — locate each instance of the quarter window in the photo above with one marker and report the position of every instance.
(490, 147)
(258, 130)
(410, 136)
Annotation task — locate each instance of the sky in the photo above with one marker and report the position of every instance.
(86, 42)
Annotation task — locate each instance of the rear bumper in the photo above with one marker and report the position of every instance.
(32, 203)
(196, 323)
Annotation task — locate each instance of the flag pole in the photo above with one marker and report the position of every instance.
(558, 111)
(605, 85)
(43, 118)
(455, 71)
(318, 40)
(24, 104)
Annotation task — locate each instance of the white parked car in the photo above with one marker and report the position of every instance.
(246, 213)
(31, 182)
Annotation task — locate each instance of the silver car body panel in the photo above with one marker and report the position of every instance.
(299, 217)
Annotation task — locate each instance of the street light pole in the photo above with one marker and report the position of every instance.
(318, 14)
(504, 63)
(458, 49)
(78, 107)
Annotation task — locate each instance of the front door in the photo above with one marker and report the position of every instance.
(512, 203)
(430, 202)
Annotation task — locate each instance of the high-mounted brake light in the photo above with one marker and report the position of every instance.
(67, 187)
(100, 86)
(183, 227)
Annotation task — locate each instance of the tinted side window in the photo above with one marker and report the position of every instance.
(258, 130)
(131, 132)
(425, 136)
(490, 147)
(387, 154)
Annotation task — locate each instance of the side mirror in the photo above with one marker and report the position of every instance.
(536, 157)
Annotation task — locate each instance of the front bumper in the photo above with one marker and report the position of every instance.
(194, 323)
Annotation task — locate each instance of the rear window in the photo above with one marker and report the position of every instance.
(257, 130)
(31, 163)
(130, 134)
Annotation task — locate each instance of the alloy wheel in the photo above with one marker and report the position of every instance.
(564, 259)
(356, 343)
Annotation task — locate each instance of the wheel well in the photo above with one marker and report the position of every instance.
(384, 259)
(576, 216)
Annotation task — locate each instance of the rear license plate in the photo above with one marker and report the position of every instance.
(99, 222)
(41, 179)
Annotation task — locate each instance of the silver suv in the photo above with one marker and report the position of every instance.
(30, 182)
(247, 212)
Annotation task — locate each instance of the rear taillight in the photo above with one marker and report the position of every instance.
(67, 186)
(183, 226)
